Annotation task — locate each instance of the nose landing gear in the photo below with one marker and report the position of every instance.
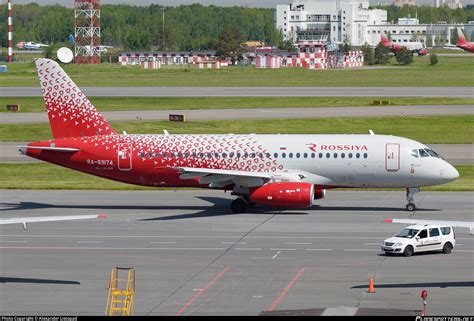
(411, 191)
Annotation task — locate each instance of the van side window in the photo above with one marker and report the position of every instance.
(434, 232)
(446, 230)
(423, 234)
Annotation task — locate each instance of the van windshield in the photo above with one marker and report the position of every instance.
(408, 233)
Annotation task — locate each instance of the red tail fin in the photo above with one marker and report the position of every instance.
(461, 39)
(384, 39)
(70, 112)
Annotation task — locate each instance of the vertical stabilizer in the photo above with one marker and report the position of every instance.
(461, 39)
(70, 112)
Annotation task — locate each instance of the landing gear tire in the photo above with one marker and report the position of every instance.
(408, 251)
(447, 248)
(238, 206)
(411, 207)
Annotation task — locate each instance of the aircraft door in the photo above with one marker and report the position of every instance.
(392, 157)
(124, 157)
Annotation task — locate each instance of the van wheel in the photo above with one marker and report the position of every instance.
(408, 251)
(447, 248)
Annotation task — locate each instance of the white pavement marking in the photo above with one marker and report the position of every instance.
(248, 249)
(163, 242)
(296, 243)
(233, 242)
(282, 249)
(361, 250)
(318, 249)
(89, 242)
(373, 243)
(112, 248)
(13, 241)
(277, 253)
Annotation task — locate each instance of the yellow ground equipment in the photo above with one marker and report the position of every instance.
(121, 292)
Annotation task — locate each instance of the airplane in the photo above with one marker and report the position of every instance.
(463, 43)
(465, 224)
(31, 45)
(273, 170)
(38, 219)
(417, 47)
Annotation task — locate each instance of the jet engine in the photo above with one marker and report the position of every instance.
(288, 194)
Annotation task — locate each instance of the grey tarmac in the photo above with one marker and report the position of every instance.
(458, 154)
(184, 243)
(458, 92)
(259, 113)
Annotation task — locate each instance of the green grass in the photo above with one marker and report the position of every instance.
(450, 71)
(426, 129)
(48, 176)
(36, 104)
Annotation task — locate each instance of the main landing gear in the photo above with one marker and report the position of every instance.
(411, 191)
(239, 205)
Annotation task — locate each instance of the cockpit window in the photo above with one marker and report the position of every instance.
(433, 153)
(414, 153)
(423, 153)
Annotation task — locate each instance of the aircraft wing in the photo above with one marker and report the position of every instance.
(218, 178)
(469, 225)
(25, 220)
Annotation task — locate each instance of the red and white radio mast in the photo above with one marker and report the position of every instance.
(87, 31)
(10, 30)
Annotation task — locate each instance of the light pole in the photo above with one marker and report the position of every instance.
(163, 29)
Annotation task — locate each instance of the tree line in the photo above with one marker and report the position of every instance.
(185, 27)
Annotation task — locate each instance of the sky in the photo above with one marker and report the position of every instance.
(251, 3)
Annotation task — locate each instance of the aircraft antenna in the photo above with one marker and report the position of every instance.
(87, 31)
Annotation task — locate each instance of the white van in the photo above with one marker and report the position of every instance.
(421, 238)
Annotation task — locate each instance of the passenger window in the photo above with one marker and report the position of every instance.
(180, 155)
(343, 155)
(320, 155)
(252, 155)
(269, 155)
(224, 155)
(164, 155)
(298, 155)
(142, 155)
(231, 155)
(290, 155)
(423, 234)
(313, 155)
(246, 155)
(423, 153)
(171, 155)
(157, 155)
(283, 155)
(150, 155)
(238, 155)
(357, 155)
(328, 155)
(305, 155)
(209, 155)
(434, 232)
(446, 230)
(194, 155)
(186, 155)
(216, 155)
(335, 155)
(350, 155)
(414, 153)
(275, 155)
(365, 155)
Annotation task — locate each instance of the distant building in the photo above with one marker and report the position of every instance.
(341, 20)
(165, 57)
(452, 4)
(401, 3)
(352, 21)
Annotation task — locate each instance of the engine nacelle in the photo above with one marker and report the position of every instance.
(289, 194)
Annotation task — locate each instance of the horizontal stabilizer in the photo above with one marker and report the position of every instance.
(25, 220)
(23, 149)
(469, 225)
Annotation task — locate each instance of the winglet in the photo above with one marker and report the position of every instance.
(101, 216)
(390, 220)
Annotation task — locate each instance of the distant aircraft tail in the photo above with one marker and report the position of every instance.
(461, 39)
(384, 39)
(70, 112)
